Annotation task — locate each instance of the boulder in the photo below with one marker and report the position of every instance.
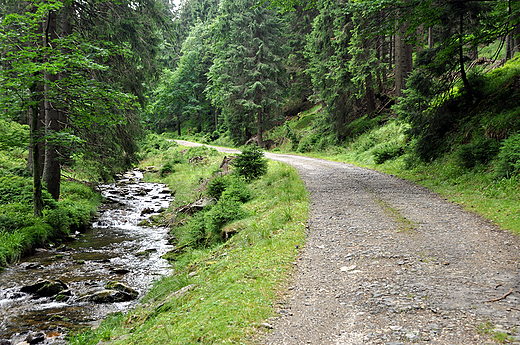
(109, 296)
(35, 337)
(118, 286)
(45, 288)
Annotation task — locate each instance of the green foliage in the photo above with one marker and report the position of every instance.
(13, 135)
(251, 163)
(153, 144)
(387, 151)
(226, 210)
(166, 169)
(218, 185)
(509, 157)
(246, 77)
(477, 152)
(237, 190)
(202, 151)
(21, 231)
(69, 216)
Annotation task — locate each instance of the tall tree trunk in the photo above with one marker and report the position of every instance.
(35, 143)
(52, 168)
(216, 111)
(403, 60)
(431, 42)
(463, 75)
(259, 132)
(371, 100)
(179, 124)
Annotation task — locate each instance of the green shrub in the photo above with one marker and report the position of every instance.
(478, 152)
(16, 216)
(167, 169)
(217, 186)
(251, 163)
(237, 190)
(509, 157)
(387, 151)
(200, 151)
(154, 143)
(307, 143)
(224, 211)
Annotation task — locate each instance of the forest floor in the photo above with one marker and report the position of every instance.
(389, 262)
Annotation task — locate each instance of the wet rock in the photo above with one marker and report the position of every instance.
(109, 296)
(31, 266)
(147, 210)
(35, 337)
(119, 270)
(5, 342)
(45, 288)
(118, 286)
(63, 296)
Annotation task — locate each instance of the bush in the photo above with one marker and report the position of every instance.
(237, 190)
(166, 169)
(225, 210)
(387, 151)
(154, 143)
(218, 185)
(478, 152)
(509, 157)
(200, 151)
(251, 163)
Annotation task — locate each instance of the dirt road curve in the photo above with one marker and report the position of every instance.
(389, 262)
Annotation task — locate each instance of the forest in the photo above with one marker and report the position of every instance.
(89, 89)
(82, 82)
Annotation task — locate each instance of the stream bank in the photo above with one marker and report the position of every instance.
(62, 288)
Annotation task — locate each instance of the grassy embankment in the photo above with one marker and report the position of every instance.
(20, 230)
(230, 286)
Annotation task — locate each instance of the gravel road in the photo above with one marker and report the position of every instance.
(389, 262)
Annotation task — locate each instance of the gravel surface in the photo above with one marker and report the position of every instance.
(389, 262)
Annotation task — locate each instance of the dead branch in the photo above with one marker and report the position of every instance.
(500, 298)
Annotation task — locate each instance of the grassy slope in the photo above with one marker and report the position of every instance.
(236, 283)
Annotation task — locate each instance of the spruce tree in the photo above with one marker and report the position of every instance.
(246, 79)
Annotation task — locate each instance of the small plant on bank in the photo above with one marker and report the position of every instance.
(509, 157)
(251, 163)
(478, 152)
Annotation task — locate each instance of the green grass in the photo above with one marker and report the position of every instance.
(235, 284)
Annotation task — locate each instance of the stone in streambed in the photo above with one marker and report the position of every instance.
(109, 296)
(35, 337)
(118, 286)
(45, 288)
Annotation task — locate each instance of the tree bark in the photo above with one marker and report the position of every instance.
(463, 75)
(430, 37)
(259, 132)
(52, 167)
(403, 60)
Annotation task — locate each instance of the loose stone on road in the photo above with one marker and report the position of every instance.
(389, 262)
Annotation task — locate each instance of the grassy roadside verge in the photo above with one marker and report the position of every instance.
(476, 190)
(220, 293)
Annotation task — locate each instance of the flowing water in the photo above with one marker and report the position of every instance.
(117, 248)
